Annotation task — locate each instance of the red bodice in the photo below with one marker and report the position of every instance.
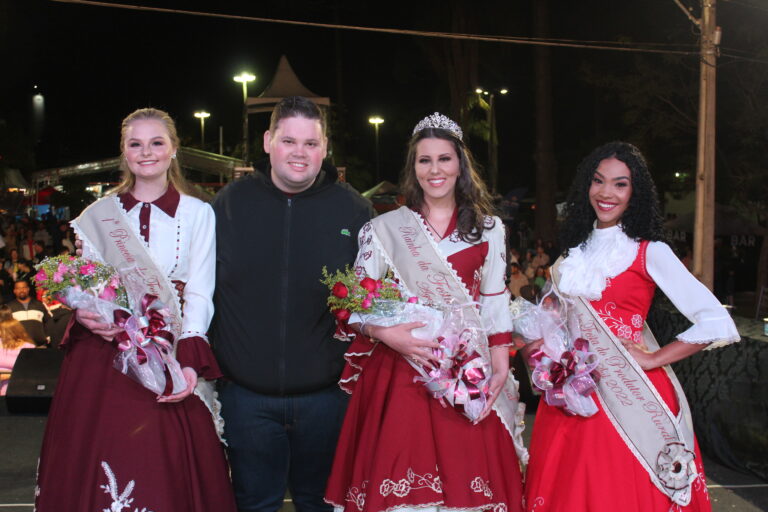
(627, 298)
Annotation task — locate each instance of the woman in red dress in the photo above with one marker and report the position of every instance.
(615, 260)
(110, 443)
(399, 448)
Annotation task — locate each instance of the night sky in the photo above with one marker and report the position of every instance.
(96, 64)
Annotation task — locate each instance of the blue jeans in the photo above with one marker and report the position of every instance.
(281, 441)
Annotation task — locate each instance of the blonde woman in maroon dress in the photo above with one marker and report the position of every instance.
(110, 443)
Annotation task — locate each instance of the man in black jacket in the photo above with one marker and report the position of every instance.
(32, 313)
(272, 332)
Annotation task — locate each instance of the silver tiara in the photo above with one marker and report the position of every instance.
(438, 120)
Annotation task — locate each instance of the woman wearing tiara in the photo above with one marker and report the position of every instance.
(400, 448)
(634, 449)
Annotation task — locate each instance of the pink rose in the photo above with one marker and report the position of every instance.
(62, 269)
(58, 277)
(366, 303)
(88, 270)
(41, 276)
(108, 294)
(413, 300)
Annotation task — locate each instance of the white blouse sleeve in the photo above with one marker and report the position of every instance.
(494, 295)
(711, 321)
(370, 261)
(198, 291)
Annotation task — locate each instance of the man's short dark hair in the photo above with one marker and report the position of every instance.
(25, 281)
(514, 264)
(296, 106)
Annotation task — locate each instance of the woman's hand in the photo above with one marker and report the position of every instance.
(94, 323)
(399, 338)
(500, 368)
(531, 348)
(668, 354)
(190, 376)
(640, 353)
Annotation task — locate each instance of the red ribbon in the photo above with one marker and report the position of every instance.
(151, 325)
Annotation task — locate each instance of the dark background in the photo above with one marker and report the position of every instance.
(96, 64)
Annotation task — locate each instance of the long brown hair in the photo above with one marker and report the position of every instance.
(13, 334)
(472, 198)
(175, 175)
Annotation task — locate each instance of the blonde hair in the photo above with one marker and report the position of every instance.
(13, 334)
(175, 175)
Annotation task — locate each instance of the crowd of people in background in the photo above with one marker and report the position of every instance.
(528, 261)
(29, 319)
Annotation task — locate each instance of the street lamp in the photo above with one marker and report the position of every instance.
(202, 115)
(493, 139)
(244, 78)
(376, 121)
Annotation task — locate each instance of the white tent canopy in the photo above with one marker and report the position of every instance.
(284, 84)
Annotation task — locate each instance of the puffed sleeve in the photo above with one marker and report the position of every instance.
(494, 295)
(711, 322)
(369, 262)
(193, 349)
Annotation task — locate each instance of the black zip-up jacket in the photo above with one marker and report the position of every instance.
(272, 332)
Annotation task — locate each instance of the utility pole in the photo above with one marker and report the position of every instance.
(704, 220)
(704, 226)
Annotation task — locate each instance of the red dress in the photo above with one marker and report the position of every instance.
(400, 449)
(582, 464)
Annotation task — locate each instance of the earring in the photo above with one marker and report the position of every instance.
(173, 155)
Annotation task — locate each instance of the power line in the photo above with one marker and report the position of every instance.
(418, 33)
(747, 59)
(748, 5)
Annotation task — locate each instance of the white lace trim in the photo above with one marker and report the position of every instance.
(608, 253)
(412, 481)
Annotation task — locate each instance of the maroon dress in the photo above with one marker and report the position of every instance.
(109, 445)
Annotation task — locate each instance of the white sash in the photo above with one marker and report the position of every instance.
(105, 228)
(661, 441)
(416, 260)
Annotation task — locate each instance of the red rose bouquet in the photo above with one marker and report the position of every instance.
(459, 377)
(145, 347)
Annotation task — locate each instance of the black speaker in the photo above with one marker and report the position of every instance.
(33, 380)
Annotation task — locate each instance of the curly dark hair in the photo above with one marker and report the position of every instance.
(472, 198)
(641, 221)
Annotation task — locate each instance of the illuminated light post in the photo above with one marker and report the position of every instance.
(244, 78)
(493, 139)
(202, 115)
(376, 121)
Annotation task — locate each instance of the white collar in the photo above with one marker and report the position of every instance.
(608, 252)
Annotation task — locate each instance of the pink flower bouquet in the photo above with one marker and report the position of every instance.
(145, 346)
